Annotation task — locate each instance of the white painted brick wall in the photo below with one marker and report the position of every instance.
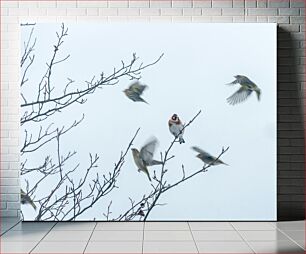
(290, 14)
(222, 3)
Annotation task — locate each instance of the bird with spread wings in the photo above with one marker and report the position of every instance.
(207, 158)
(144, 157)
(246, 88)
(134, 91)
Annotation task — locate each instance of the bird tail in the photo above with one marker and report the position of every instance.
(181, 140)
(144, 101)
(33, 205)
(258, 93)
(221, 162)
(154, 162)
(149, 176)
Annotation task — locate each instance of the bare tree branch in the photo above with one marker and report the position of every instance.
(141, 209)
(69, 197)
(72, 196)
(46, 104)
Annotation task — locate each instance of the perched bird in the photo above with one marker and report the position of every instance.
(141, 213)
(134, 91)
(247, 87)
(176, 127)
(206, 157)
(144, 158)
(25, 199)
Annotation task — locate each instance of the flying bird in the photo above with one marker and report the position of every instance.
(25, 199)
(246, 88)
(176, 127)
(144, 158)
(134, 91)
(206, 157)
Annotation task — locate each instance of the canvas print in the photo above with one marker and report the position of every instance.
(147, 122)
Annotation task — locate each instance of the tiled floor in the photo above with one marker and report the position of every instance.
(152, 237)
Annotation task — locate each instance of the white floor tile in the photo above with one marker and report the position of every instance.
(69, 226)
(60, 247)
(295, 234)
(33, 226)
(223, 247)
(70, 236)
(291, 225)
(107, 236)
(3, 230)
(120, 226)
(160, 237)
(9, 223)
(276, 247)
(169, 247)
(211, 226)
(17, 247)
(23, 236)
(274, 235)
(216, 236)
(167, 236)
(253, 226)
(166, 226)
(9, 220)
(301, 243)
(114, 247)
(6, 225)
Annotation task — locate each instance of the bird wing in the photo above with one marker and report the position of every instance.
(176, 129)
(154, 162)
(147, 151)
(241, 95)
(241, 80)
(236, 81)
(203, 153)
(199, 150)
(245, 80)
(138, 88)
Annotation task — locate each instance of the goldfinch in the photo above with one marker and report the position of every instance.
(176, 127)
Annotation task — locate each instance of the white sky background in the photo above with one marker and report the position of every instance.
(199, 60)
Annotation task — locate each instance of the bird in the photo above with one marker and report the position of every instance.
(25, 199)
(144, 158)
(246, 88)
(176, 127)
(206, 157)
(134, 91)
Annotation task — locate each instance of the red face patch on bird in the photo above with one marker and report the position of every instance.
(174, 117)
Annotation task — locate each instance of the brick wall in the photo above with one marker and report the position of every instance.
(289, 14)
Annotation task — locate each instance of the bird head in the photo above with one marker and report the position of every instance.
(135, 152)
(174, 117)
(238, 76)
(125, 91)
